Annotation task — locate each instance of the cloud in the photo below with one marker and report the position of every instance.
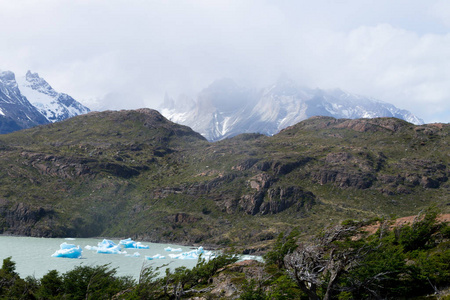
(398, 66)
(103, 51)
(441, 9)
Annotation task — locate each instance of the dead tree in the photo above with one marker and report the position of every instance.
(322, 261)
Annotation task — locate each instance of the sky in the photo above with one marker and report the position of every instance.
(125, 54)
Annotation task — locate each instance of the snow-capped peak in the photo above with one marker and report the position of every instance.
(39, 84)
(53, 105)
(225, 109)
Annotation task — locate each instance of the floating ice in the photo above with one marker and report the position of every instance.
(68, 251)
(106, 247)
(170, 249)
(135, 254)
(106, 244)
(142, 246)
(129, 243)
(193, 254)
(110, 250)
(251, 257)
(157, 256)
(67, 246)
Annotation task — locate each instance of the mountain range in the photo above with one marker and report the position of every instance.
(29, 100)
(222, 110)
(225, 109)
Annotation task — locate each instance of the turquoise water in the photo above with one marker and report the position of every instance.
(33, 256)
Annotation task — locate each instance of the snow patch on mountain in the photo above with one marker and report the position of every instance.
(29, 101)
(53, 105)
(225, 109)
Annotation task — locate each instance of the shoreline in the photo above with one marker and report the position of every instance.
(205, 246)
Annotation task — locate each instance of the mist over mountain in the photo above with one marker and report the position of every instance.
(225, 109)
(27, 101)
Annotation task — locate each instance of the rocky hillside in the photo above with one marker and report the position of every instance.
(136, 174)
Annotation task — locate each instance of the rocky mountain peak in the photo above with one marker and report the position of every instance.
(29, 100)
(31, 75)
(39, 84)
(7, 76)
(8, 81)
(225, 109)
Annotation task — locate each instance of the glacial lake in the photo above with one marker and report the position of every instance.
(33, 256)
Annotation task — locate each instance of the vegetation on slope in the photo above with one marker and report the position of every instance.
(134, 173)
(341, 262)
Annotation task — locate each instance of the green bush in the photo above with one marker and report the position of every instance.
(98, 282)
(283, 246)
(11, 285)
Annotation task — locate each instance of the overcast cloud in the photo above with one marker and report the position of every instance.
(117, 54)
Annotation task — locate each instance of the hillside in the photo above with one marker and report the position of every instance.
(136, 174)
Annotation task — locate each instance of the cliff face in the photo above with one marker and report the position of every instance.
(23, 219)
(134, 173)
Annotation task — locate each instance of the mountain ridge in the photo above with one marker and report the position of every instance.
(29, 101)
(16, 111)
(225, 109)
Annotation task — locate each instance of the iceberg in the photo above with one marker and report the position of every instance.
(251, 257)
(193, 254)
(68, 251)
(157, 256)
(106, 244)
(135, 254)
(110, 250)
(170, 249)
(66, 246)
(129, 243)
(106, 247)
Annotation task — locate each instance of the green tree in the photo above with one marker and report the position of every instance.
(282, 247)
(252, 290)
(422, 233)
(11, 285)
(98, 282)
(51, 286)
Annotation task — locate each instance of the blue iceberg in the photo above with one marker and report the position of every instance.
(129, 243)
(194, 254)
(68, 251)
(135, 254)
(109, 250)
(106, 244)
(156, 256)
(106, 247)
(170, 249)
